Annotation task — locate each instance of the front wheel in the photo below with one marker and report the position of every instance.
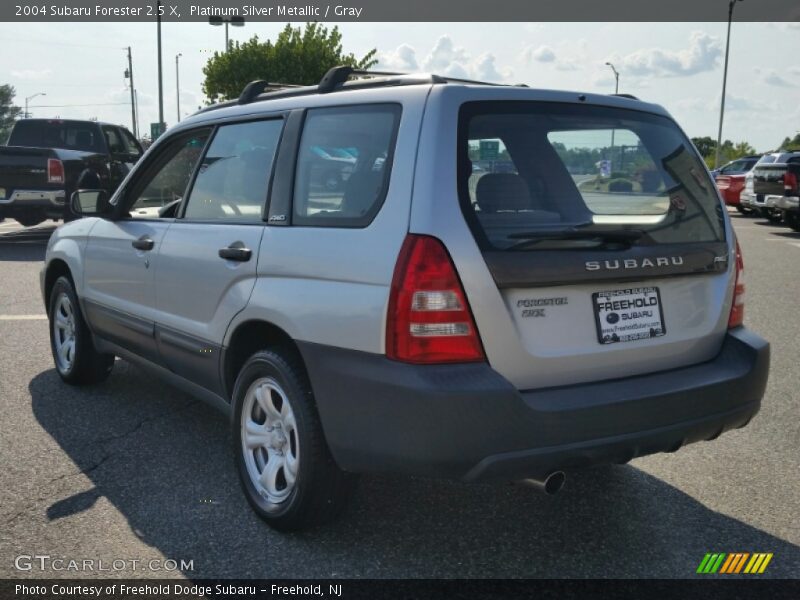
(74, 354)
(284, 464)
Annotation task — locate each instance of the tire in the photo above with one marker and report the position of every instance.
(774, 216)
(792, 220)
(744, 211)
(304, 487)
(81, 364)
(30, 220)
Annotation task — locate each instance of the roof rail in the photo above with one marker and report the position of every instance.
(338, 79)
(628, 96)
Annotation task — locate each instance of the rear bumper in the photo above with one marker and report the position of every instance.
(47, 201)
(790, 203)
(467, 422)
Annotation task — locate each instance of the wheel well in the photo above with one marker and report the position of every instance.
(247, 339)
(57, 268)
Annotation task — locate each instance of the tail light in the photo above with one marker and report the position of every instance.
(55, 171)
(429, 319)
(790, 183)
(736, 317)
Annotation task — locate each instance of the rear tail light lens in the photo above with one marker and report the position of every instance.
(55, 171)
(429, 320)
(790, 183)
(737, 309)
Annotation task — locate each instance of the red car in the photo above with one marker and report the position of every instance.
(730, 180)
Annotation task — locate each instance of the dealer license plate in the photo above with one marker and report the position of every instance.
(627, 315)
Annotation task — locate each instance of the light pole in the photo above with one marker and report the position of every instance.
(160, 78)
(178, 83)
(234, 21)
(31, 98)
(616, 91)
(724, 81)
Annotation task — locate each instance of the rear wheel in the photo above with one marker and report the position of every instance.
(284, 464)
(74, 354)
(792, 220)
(774, 216)
(30, 219)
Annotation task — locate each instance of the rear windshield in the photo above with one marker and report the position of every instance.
(71, 135)
(528, 170)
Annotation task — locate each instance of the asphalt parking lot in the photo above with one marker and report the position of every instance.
(134, 470)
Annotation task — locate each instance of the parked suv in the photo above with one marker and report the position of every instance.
(425, 316)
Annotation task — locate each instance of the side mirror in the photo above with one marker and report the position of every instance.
(85, 203)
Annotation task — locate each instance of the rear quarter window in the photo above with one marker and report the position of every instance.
(343, 165)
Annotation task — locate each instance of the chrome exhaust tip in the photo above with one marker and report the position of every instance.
(550, 485)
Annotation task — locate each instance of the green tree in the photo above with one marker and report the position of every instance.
(791, 144)
(705, 145)
(8, 112)
(298, 56)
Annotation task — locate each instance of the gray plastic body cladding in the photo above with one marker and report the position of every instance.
(446, 420)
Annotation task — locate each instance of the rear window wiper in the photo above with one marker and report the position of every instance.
(604, 236)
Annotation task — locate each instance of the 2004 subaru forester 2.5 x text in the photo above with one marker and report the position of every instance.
(413, 274)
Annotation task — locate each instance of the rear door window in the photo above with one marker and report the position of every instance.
(532, 174)
(343, 164)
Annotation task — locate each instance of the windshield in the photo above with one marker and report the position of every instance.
(530, 169)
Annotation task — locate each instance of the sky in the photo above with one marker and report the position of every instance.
(677, 65)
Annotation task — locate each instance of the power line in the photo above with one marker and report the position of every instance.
(79, 105)
(49, 43)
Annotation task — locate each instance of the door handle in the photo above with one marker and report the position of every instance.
(143, 243)
(236, 252)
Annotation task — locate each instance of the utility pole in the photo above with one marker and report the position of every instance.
(133, 99)
(724, 82)
(178, 83)
(160, 77)
(616, 91)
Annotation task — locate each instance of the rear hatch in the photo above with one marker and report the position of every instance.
(604, 237)
(768, 179)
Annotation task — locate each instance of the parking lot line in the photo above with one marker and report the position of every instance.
(23, 317)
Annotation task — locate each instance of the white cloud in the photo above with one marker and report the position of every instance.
(771, 77)
(733, 103)
(32, 74)
(444, 56)
(702, 54)
(402, 58)
(543, 54)
(486, 70)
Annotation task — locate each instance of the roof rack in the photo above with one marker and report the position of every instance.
(628, 96)
(339, 79)
(255, 88)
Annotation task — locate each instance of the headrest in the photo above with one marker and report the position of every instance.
(496, 192)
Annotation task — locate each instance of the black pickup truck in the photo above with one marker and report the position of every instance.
(45, 160)
(776, 182)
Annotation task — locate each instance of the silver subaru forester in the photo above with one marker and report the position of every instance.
(415, 274)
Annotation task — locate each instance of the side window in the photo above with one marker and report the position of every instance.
(169, 177)
(234, 175)
(113, 141)
(131, 145)
(343, 164)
